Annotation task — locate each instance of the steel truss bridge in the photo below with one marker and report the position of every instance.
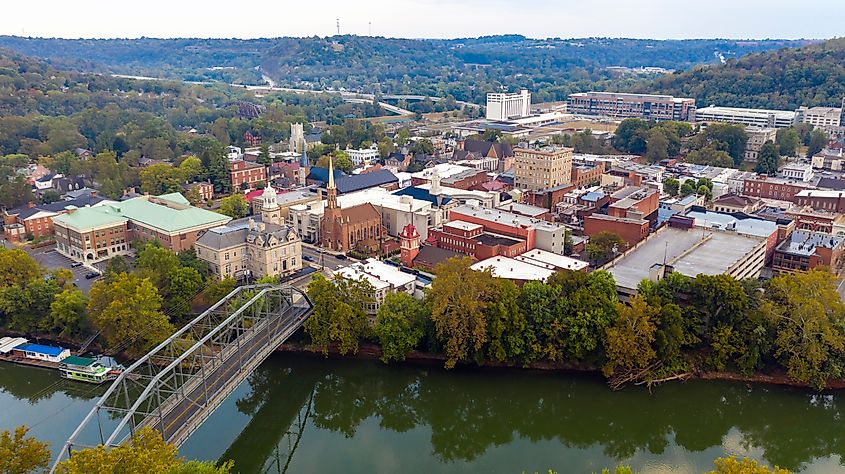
(178, 384)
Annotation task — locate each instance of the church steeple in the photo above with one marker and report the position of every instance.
(331, 189)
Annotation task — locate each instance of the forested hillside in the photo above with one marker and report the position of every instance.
(465, 68)
(813, 75)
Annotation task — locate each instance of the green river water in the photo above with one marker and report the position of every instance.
(361, 416)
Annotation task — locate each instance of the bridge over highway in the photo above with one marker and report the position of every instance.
(178, 384)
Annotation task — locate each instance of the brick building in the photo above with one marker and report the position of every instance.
(246, 174)
(768, 188)
(545, 168)
(632, 230)
(831, 201)
(36, 220)
(470, 239)
(805, 250)
(586, 174)
(357, 227)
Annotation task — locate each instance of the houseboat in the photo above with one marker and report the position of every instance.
(89, 370)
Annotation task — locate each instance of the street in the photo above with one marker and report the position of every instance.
(329, 260)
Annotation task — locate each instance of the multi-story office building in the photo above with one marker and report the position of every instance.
(536, 169)
(622, 105)
(751, 117)
(820, 116)
(505, 106)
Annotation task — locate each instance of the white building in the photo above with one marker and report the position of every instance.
(820, 116)
(504, 106)
(383, 277)
(517, 270)
(797, 171)
(750, 117)
(234, 153)
(362, 155)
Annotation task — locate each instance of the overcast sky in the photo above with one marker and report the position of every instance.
(425, 18)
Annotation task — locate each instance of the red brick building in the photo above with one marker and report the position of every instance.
(634, 202)
(246, 173)
(631, 230)
(806, 250)
(767, 188)
(830, 201)
(470, 239)
(585, 174)
(353, 228)
(204, 188)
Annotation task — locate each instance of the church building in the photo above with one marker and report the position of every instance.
(353, 228)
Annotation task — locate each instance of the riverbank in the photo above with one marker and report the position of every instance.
(374, 352)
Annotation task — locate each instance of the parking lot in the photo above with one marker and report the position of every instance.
(50, 259)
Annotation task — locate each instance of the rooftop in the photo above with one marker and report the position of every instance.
(690, 252)
(524, 209)
(41, 349)
(512, 269)
(561, 262)
(509, 218)
(739, 223)
(804, 243)
(170, 213)
(763, 113)
(464, 225)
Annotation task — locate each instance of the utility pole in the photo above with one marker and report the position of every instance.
(370, 33)
(338, 26)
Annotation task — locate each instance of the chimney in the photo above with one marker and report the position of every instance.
(261, 227)
(94, 193)
(250, 224)
(30, 204)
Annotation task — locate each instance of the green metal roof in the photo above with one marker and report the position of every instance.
(174, 218)
(88, 217)
(78, 361)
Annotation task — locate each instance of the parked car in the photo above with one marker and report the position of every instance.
(308, 258)
(75, 264)
(91, 275)
(341, 256)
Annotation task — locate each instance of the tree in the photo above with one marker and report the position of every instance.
(22, 454)
(128, 313)
(458, 298)
(768, 159)
(68, 312)
(191, 169)
(726, 137)
(787, 140)
(49, 196)
(234, 206)
(732, 465)
(145, 453)
(339, 315)
(710, 156)
(422, 146)
(386, 147)
(193, 195)
(671, 186)
(184, 283)
(818, 140)
(160, 178)
(399, 325)
(115, 266)
(342, 162)
(17, 267)
(603, 246)
(631, 136)
(657, 146)
(687, 187)
(706, 192)
(808, 315)
(629, 340)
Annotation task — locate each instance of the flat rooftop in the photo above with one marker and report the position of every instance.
(504, 267)
(691, 252)
(463, 225)
(542, 257)
(487, 238)
(716, 110)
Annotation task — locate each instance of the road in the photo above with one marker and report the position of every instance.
(329, 260)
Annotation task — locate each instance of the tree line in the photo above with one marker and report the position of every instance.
(132, 308)
(790, 324)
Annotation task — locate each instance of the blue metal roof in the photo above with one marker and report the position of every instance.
(423, 195)
(322, 174)
(40, 349)
(357, 182)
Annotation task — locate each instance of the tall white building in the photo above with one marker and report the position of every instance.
(820, 116)
(750, 117)
(505, 106)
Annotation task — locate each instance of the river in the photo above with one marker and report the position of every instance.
(360, 416)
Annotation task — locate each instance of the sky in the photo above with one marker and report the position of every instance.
(658, 19)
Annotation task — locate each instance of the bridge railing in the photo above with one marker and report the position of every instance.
(180, 382)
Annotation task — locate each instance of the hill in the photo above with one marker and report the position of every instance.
(787, 78)
(465, 68)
